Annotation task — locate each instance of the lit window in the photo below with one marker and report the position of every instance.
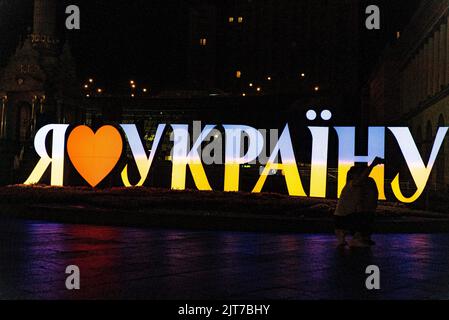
(238, 74)
(240, 19)
(203, 41)
(231, 19)
(398, 34)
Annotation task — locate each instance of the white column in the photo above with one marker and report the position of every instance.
(426, 69)
(436, 63)
(430, 68)
(3, 117)
(415, 81)
(443, 49)
(447, 53)
(421, 77)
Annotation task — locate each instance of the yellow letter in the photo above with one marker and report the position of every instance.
(234, 150)
(288, 166)
(420, 172)
(181, 159)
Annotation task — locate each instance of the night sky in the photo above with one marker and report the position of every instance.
(146, 40)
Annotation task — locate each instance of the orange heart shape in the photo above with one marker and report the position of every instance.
(94, 155)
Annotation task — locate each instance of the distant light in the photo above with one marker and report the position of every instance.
(87, 95)
(144, 90)
(303, 75)
(317, 88)
(133, 86)
(91, 80)
(99, 90)
(231, 19)
(238, 74)
(250, 84)
(86, 86)
(240, 19)
(243, 94)
(259, 89)
(132, 95)
(269, 78)
(131, 82)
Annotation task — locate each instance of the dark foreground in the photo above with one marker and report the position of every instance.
(162, 208)
(118, 262)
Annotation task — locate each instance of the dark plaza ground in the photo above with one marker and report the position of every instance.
(151, 247)
(129, 263)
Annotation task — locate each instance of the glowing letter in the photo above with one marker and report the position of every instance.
(181, 159)
(57, 158)
(420, 172)
(233, 151)
(346, 157)
(142, 161)
(288, 166)
(318, 174)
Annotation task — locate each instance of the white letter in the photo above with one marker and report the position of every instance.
(233, 151)
(420, 172)
(143, 163)
(57, 158)
(182, 158)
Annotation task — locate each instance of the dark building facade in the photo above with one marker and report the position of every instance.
(249, 47)
(410, 85)
(36, 87)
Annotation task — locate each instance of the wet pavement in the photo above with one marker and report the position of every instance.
(137, 263)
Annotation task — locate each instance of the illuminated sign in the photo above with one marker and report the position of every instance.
(95, 154)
